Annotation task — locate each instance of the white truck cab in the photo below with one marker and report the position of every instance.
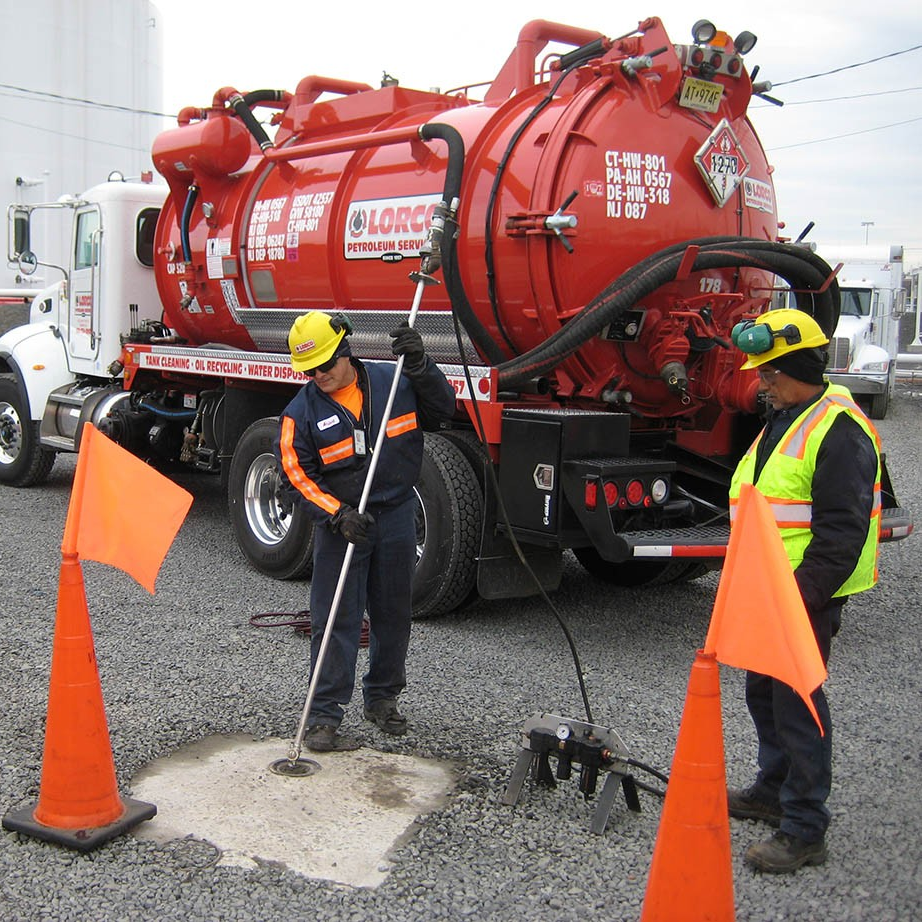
(55, 370)
(864, 347)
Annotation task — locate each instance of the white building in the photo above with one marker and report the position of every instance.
(78, 79)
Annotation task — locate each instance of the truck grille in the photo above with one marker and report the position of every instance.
(838, 354)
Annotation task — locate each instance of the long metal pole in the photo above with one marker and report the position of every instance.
(294, 752)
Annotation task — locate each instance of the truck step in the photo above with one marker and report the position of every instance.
(692, 541)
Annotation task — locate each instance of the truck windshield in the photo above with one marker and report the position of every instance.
(856, 302)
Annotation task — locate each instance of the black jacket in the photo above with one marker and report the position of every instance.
(317, 445)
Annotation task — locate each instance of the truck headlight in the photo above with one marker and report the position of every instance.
(875, 367)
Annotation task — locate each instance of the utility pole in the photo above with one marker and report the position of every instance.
(867, 225)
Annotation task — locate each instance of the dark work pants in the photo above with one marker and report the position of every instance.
(795, 761)
(379, 580)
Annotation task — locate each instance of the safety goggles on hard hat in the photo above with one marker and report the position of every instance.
(324, 367)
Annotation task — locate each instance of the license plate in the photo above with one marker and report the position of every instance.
(701, 94)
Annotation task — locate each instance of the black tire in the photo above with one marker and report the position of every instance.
(472, 449)
(637, 572)
(23, 461)
(277, 540)
(880, 403)
(449, 519)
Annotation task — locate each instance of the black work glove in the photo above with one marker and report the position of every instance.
(352, 524)
(409, 344)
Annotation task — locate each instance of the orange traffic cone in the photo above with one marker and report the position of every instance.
(78, 803)
(691, 875)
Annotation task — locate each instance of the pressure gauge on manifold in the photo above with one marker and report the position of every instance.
(563, 731)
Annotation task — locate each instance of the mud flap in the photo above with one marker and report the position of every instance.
(501, 575)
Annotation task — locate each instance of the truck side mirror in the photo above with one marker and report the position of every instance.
(28, 262)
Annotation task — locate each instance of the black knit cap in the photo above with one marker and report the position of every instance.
(805, 365)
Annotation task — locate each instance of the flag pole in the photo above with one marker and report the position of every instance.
(72, 523)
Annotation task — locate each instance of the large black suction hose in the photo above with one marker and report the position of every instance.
(802, 269)
(460, 304)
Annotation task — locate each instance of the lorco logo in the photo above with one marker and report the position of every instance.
(386, 226)
(305, 346)
(358, 221)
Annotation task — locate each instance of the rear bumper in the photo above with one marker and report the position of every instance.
(706, 542)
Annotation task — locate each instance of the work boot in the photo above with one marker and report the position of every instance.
(743, 806)
(782, 854)
(385, 716)
(324, 738)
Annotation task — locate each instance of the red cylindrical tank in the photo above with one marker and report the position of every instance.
(342, 228)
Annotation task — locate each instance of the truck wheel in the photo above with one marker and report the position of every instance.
(276, 539)
(23, 461)
(449, 518)
(636, 572)
(880, 403)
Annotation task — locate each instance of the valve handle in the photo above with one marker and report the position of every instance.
(558, 221)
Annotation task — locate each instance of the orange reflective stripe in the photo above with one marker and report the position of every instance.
(400, 424)
(794, 443)
(295, 473)
(337, 452)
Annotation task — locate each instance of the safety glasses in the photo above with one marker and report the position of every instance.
(325, 367)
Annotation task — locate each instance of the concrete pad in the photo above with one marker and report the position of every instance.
(339, 823)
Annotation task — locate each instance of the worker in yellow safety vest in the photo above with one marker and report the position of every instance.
(817, 462)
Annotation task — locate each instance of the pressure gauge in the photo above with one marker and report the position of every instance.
(563, 731)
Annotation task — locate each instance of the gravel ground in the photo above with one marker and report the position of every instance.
(185, 664)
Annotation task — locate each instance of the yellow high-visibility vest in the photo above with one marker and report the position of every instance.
(787, 477)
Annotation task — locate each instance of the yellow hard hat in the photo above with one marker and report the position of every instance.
(313, 339)
(776, 333)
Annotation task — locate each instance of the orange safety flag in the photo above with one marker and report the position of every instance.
(759, 621)
(122, 512)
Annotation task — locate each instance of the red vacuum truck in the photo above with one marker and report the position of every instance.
(587, 229)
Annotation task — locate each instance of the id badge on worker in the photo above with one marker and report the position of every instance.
(358, 437)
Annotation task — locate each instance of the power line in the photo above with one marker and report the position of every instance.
(838, 70)
(808, 102)
(850, 134)
(87, 102)
(75, 137)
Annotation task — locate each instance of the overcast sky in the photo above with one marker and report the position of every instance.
(847, 148)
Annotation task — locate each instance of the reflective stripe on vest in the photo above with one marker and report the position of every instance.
(795, 439)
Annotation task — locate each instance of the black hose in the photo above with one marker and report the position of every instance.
(185, 221)
(255, 96)
(799, 266)
(452, 138)
(460, 304)
(494, 193)
(241, 106)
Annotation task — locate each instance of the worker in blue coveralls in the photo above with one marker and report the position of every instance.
(326, 436)
(817, 462)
